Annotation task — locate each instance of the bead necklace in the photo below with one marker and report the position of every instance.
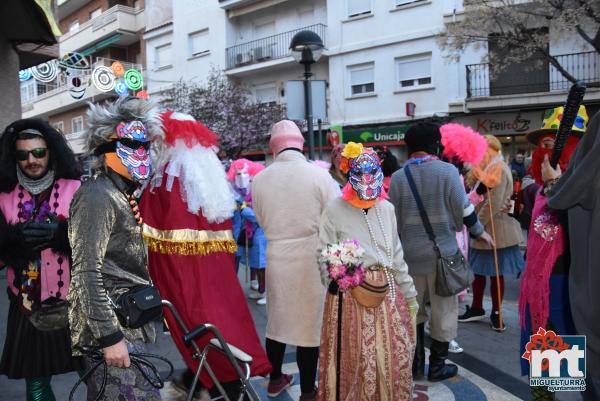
(386, 267)
(60, 260)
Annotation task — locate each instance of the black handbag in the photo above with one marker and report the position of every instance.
(138, 306)
(453, 273)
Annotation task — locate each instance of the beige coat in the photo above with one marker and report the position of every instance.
(508, 229)
(288, 198)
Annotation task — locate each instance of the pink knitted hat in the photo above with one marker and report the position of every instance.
(285, 134)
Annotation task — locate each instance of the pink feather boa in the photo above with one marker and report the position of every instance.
(463, 143)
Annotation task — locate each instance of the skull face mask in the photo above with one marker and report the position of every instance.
(366, 176)
(132, 149)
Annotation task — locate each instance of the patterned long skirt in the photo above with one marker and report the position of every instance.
(377, 349)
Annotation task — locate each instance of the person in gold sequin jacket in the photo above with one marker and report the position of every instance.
(109, 254)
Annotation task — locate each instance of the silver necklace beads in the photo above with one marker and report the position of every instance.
(387, 245)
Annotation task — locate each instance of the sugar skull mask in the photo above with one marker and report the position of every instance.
(132, 148)
(366, 176)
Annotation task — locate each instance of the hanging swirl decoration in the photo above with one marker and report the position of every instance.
(25, 75)
(118, 69)
(103, 78)
(133, 79)
(45, 72)
(121, 88)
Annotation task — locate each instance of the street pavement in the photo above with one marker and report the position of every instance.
(488, 369)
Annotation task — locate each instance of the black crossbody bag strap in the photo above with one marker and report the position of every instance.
(422, 212)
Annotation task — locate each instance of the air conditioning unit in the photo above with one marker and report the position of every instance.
(263, 53)
(239, 59)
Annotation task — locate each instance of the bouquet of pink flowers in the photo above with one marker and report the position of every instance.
(344, 263)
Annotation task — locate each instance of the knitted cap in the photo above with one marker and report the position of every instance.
(285, 134)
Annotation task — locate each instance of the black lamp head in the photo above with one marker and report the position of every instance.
(306, 47)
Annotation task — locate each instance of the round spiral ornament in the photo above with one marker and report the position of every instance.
(121, 88)
(133, 79)
(25, 75)
(118, 69)
(103, 78)
(45, 72)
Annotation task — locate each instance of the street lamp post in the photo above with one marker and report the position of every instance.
(306, 48)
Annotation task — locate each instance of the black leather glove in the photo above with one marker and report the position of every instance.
(333, 288)
(40, 236)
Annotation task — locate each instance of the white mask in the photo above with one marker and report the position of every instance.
(242, 179)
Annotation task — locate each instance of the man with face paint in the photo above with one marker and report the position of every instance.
(448, 208)
(363, 214)
(109, 254)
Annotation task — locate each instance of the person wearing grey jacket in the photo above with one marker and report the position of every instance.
(109, 254)
(448, 208)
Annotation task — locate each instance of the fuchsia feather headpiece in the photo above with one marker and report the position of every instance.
(463, 143)
(253, 168)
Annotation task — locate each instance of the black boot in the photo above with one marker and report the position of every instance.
(418, 367)
(438, 370)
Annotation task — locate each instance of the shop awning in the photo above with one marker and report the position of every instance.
(31, 27)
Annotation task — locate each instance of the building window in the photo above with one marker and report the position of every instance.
(76, 124)
(96, 13)
(358, 7)
(73, 26)
(28, 90)
(198, 43)
(163, 56)
(60, 126)
(403, 2)
(266, 94)
(362, 79)
(413, 71)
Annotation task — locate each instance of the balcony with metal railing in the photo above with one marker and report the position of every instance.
(482, 82)
(268, 48)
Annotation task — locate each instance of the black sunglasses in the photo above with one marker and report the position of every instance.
(38, 153)
(133, 144)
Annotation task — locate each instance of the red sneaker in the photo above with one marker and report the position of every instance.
(277, 387)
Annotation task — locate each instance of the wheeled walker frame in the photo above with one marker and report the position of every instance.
(239, 359)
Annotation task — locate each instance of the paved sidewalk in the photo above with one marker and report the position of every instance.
(489, 367)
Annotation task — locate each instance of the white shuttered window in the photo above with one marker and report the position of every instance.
(358, 7)
(413, 71)
(362, 79)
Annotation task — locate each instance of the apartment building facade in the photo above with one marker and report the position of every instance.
(99, 32)
(382, 63)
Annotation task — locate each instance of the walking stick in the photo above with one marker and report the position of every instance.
(246, 253)
(339, 347)
(495, 258)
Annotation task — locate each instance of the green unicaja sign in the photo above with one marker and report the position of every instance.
(393, 133)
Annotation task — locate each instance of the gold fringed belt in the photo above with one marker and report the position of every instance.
(188, 242)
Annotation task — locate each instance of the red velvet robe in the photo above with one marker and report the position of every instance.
(200, 281)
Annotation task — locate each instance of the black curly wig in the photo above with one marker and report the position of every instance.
(62, 158)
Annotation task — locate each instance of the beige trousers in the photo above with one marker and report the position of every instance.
(443, 321)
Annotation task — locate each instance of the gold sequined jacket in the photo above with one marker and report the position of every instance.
(109, 257)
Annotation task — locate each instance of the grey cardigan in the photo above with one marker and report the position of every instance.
(446, 204)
